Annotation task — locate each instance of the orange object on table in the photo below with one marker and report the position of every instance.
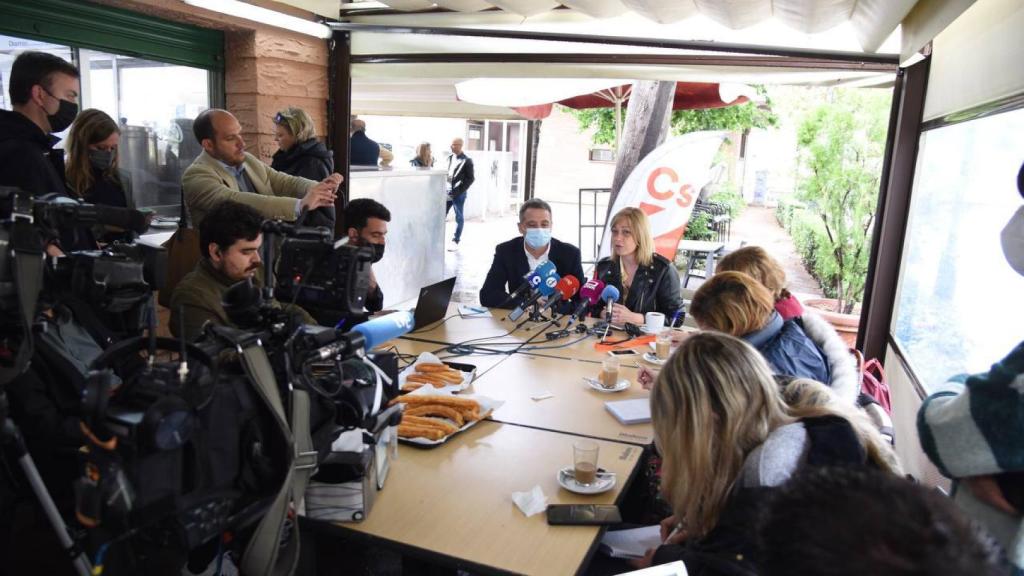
(639, 341)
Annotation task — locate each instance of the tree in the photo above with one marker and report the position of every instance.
(841, 146)
(739, 117)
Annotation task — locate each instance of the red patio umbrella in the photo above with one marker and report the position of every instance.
(689, 96)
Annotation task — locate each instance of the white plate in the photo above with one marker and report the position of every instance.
(653, 359)
(623, 384)
(487, 406)
(605, 482)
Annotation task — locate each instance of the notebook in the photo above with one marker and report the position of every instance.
(632, 543)
(433, 303)
(628, 412)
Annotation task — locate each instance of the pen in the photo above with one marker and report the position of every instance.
(675, 530)
(672, 323)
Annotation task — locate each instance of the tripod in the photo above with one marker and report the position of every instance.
(11, 438)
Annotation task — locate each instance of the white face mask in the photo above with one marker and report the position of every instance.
(1013, 241)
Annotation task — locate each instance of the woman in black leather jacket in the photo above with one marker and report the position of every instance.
(301, 154)
(647, 281)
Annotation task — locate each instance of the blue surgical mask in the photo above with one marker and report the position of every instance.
(537, 238)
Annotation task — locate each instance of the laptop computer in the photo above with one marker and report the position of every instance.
(433, 303)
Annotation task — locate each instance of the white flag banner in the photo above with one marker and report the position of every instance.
(665, 185)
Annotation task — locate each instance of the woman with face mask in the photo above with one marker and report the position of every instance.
(92, 172)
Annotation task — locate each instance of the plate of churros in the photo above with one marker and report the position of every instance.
(428, 370)
(433, 416)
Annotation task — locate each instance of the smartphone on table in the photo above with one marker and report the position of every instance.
(622, 352)
(583, 515)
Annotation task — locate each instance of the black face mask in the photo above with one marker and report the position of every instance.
(101, 159)
(378, 252)
(66, 114)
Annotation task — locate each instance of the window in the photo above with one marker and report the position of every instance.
(959, 304)
(153, 102)
(601, 155)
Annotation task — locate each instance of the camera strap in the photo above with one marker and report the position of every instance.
(264, 554)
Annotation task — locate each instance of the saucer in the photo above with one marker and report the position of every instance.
(593, 382)
(653, 359)
(605, 482)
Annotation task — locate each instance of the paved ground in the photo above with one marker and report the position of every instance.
(756, 225)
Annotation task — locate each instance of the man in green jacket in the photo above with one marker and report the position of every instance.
(229, 240)
(225, 171)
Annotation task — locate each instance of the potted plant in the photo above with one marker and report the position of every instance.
(841, 145)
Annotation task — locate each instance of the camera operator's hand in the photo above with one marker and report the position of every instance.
(323, 194)
(335, 179)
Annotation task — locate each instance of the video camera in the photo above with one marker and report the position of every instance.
(317, 271)
(186, 450)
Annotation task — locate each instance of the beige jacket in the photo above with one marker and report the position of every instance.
(207, 183)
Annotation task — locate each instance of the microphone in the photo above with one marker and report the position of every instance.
(384, 328)
(545, 287)
(609, 295)
(539, 272)
(590, 294)
(565, 289)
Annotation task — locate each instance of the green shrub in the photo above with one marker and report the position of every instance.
(699, 227)
(729, 197)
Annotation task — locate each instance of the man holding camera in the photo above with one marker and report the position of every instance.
(225, 171)
(230, 238)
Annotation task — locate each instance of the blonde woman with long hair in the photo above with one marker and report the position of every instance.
(728, 435)
(646, 280)
(735, 303)
(759, 265)
(424, 158)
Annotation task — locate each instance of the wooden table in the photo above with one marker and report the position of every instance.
(452, 504)
(575, 408)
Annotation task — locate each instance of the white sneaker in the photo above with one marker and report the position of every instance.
(453, 247)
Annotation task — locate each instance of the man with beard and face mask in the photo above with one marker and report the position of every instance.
(44, 93)
(229, 242)
(973, 429)
(367, 223)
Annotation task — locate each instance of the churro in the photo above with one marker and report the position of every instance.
(431, 422)
(415, 431)
(437, 410)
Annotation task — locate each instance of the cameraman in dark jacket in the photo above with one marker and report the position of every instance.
(43, 90)
(301, 154)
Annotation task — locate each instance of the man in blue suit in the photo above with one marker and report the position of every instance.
(362, 151)
(516, 258)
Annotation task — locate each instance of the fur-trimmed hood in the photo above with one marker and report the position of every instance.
(845, 379)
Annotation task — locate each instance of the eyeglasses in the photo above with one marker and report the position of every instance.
(281, 118)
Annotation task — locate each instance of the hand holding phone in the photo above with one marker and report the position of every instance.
(583, 515)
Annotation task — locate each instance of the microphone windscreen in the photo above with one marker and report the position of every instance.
(591, 291)
(384, 328)
(610, 293)
(568, 286)
(547, 284)
(536, 278)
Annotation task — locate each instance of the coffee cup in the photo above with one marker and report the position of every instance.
(584, 458)
(654, 322)
(609, 372)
